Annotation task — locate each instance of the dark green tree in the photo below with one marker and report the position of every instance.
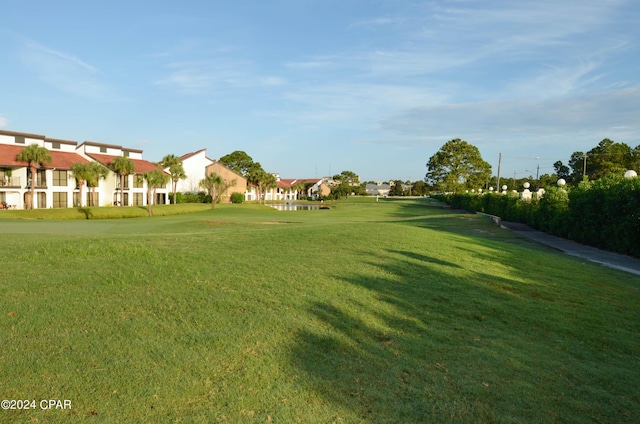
(562, 171)
(238, 161)
(458, 165)
(396, 189)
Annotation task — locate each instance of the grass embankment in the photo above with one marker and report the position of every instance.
(102, 212)
(369, 312)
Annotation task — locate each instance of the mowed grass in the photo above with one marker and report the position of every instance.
(390, 311)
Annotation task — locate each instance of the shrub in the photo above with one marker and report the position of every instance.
(237, 198)
(178, 197)
(199, 197)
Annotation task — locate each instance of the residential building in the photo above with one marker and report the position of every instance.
(236, 182)
(194, 165)
(378, 189)
(135, 187)
(55, 185)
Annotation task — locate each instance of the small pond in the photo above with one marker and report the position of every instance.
(295, 207)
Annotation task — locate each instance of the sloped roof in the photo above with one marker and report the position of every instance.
(216, 163)
(60, 160)
(141, 166)
(27, 135)
(188, 155)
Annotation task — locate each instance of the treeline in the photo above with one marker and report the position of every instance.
(604, 213)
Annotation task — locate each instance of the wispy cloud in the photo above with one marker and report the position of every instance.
(3, 121)
(65, 71)
(613, 111)
(205, 76)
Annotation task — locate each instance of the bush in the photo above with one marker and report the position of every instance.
(237, 198)
(604, 213)
(199, 197)
(178, 197)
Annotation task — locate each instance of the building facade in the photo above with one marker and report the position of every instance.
(55, 184)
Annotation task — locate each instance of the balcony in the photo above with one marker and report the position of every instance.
(10, 182)
(39, 184)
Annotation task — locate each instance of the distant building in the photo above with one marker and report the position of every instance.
(378, 189)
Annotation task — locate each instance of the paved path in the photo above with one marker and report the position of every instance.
(609, 259)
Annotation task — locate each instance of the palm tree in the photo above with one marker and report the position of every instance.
(210, 183)
(35, 156)
(176, 171)
(122, 166)
(82, 173)
(154, 179)
(97, 172)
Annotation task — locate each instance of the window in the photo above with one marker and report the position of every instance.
(60, 178)
(137, 199)
(116, 197)
(19, 139)
(103, 149)
(126, 182)
(42, 200)
(93, 199)
(138, 181)
(55, 145)
(125, 154)
(41, 178)
(59, 199)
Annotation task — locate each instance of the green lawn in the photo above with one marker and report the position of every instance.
(393, 311)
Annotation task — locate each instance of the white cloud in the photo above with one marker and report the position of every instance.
(3, 121)
(586, 114)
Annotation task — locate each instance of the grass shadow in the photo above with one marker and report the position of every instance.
(88, 214)
(438, 342)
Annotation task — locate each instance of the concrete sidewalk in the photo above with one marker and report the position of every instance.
(602, 257)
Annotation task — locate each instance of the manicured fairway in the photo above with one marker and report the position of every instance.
(370, 312)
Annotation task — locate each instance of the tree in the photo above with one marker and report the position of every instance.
(260, 179)
(456, 166)
(562, 171)
(607, 158)
(348, 177)
(35, 156)
(154, 179)
(210, 183)
(419, 188)
(176, 171)
(300, 187)
(97, 172)
(122, 166)
(82, 173)
(238, 161)
(396, 189)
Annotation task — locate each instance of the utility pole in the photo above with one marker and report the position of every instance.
(584, 167)
(499, 164)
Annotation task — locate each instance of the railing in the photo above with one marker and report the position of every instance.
(10, 182)
(39, 184)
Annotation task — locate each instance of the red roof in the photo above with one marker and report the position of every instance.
(61, 160)
(140, 166)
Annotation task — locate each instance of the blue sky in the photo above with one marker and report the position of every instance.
(314, 87)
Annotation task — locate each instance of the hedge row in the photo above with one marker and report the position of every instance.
(604, 213)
